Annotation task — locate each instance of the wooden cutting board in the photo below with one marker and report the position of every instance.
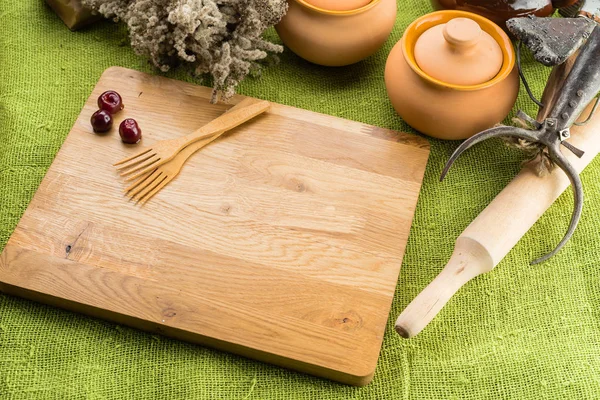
(282, 241)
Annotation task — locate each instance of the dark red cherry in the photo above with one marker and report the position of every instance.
(101, 121)
(110, 101)
(130, 131)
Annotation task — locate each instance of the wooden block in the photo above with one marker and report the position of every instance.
(73, 14)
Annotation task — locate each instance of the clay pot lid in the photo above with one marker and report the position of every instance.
(458, 52)
(338, 5)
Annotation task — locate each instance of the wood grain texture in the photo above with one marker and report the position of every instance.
(280, 241)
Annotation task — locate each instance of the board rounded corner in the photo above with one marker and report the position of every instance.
(114, 70)
(361, 379)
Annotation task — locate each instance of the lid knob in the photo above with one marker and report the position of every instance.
(458, 52)
(463, 33)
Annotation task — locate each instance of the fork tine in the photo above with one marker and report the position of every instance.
(140, 188)
(138, 160)
(149, 188)
(144, 165)
(144, 171)
(140, 181)
(141, 153)
(154, 191)
(140, 173)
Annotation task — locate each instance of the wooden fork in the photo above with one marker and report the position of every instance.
(161, 152)
(151, 182)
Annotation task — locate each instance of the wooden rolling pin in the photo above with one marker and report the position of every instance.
(486, 241)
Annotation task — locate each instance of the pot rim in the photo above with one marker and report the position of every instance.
(420, 25)
(362, 9)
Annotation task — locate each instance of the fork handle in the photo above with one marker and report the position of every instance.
(197, 145)
(231, 119)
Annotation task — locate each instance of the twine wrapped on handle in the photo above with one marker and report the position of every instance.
(537, 155)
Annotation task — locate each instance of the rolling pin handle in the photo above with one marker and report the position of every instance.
(468, 260)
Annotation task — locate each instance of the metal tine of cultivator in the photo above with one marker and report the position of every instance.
(563, 163)
(496, 132)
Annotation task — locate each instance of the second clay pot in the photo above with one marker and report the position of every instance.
(333, 37)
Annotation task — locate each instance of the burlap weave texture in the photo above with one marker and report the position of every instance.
(519, 332)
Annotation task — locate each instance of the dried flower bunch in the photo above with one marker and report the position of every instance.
(222, 38)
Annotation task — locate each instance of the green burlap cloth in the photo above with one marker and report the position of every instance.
(519, 332)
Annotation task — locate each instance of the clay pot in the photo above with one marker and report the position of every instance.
(338, 5)
(336, 38)
(448, 110)
(500, 11)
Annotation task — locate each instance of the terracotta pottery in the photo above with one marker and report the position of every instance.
(338, 5)
(444, 109)
(458, 52)
(336, 38)
(500, 11)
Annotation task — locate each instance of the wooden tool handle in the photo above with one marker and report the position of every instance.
(556, 80)
(486, 241)
(226, 122)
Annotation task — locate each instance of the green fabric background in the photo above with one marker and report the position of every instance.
(520, 332)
